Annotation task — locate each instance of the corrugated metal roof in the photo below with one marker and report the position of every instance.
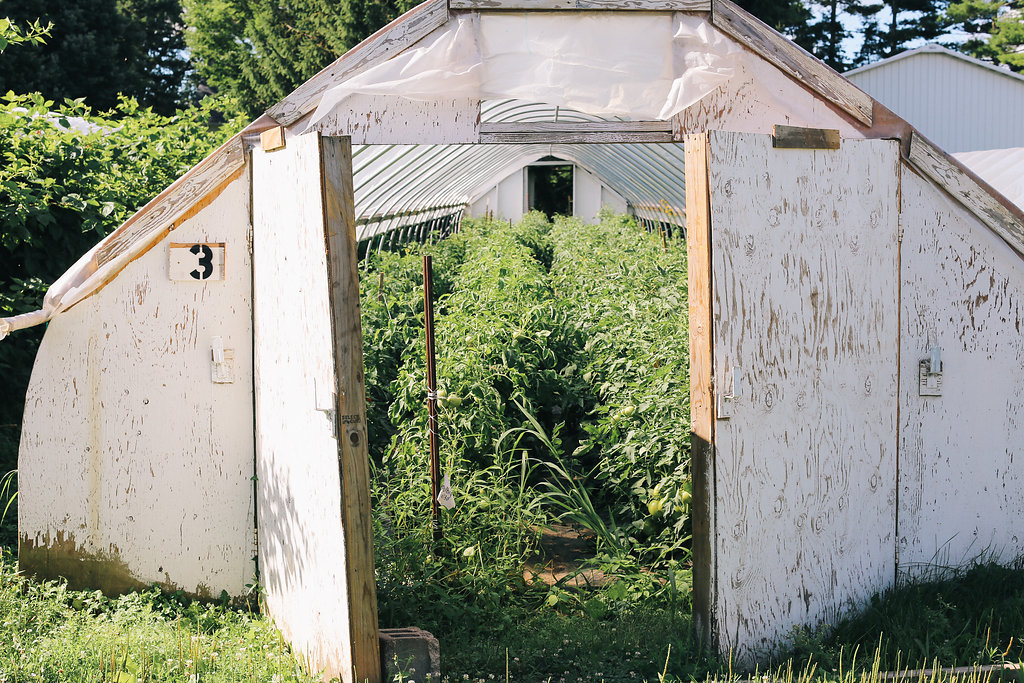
(1003, 169)
(397, 185)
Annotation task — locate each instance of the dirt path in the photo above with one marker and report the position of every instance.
(563, 550)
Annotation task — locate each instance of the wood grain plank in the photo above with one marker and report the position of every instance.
(945, 171)
(574, 137)
(576, 127)
(154, 219)
(795, 137)
(698, 255)
(353, 457)
(792, 59)
(805, 308)
(394, 120)
(625, 5)
(397, 36)
(303, 555)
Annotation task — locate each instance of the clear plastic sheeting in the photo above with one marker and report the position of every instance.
(641, 66)
(400, 185)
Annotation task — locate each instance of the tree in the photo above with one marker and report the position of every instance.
(824, 34)
(258, 51)
(62, 188)
(157, 28)
(1008, 36)
(996, 30)
(98, 50)
(785, 16)
(889, 25)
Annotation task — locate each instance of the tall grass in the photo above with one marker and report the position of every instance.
(50, 633)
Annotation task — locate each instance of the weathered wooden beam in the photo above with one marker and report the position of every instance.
(576, 127)
(792, 59)
(702, 418)
(521, 132)
(624, 5)
(979, 200)
(158, 216)
(795, 137)
(350, 407)
(400, 34)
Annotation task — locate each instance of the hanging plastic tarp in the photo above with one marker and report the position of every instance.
(637, 66)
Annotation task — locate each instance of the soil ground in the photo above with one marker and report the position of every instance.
(564, 550)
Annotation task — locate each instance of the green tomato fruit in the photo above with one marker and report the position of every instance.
(654, 506)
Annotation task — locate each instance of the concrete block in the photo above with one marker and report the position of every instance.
(412, 652)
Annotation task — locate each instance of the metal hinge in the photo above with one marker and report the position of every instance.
(724, 401)
(248, 239)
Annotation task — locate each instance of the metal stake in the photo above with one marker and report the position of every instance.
(435, 447)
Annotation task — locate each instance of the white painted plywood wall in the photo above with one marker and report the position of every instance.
(612, 200)
(961, 453)
(506, 200)
(805, 323)
(512, 197)
(134, 466)
(302, 549)
(586, 190)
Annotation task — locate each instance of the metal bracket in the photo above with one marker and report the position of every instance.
(326, 403)
(930, 374)
(222, 366)
(724, 401)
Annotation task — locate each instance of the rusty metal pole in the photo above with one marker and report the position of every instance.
(435, 446)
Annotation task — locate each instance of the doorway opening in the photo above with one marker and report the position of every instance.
(549, 187)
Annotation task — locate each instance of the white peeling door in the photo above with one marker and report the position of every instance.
(314, 531)
(794, 287)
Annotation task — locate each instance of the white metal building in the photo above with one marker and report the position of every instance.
(960, 103)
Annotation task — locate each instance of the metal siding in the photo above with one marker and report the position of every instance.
(958, 105)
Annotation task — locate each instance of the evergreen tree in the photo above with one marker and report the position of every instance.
(824, 34)
(888, 26)
(996, 30)
(156, 26)
(259, 50)
(785, 16)
(98, 50)
(1008, 36)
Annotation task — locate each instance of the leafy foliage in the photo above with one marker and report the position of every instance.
(98, 50)
(536, 371)
(50, 633)
(12, 34)
(628, 299)
(888, 26)
(258, 51)
(996, 29)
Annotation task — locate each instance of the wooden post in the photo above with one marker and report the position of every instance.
(435, 447)
(702, 462)
(353, 457)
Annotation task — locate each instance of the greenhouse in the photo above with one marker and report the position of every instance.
(851, 293)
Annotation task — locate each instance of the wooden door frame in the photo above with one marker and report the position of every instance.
(702, 417)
